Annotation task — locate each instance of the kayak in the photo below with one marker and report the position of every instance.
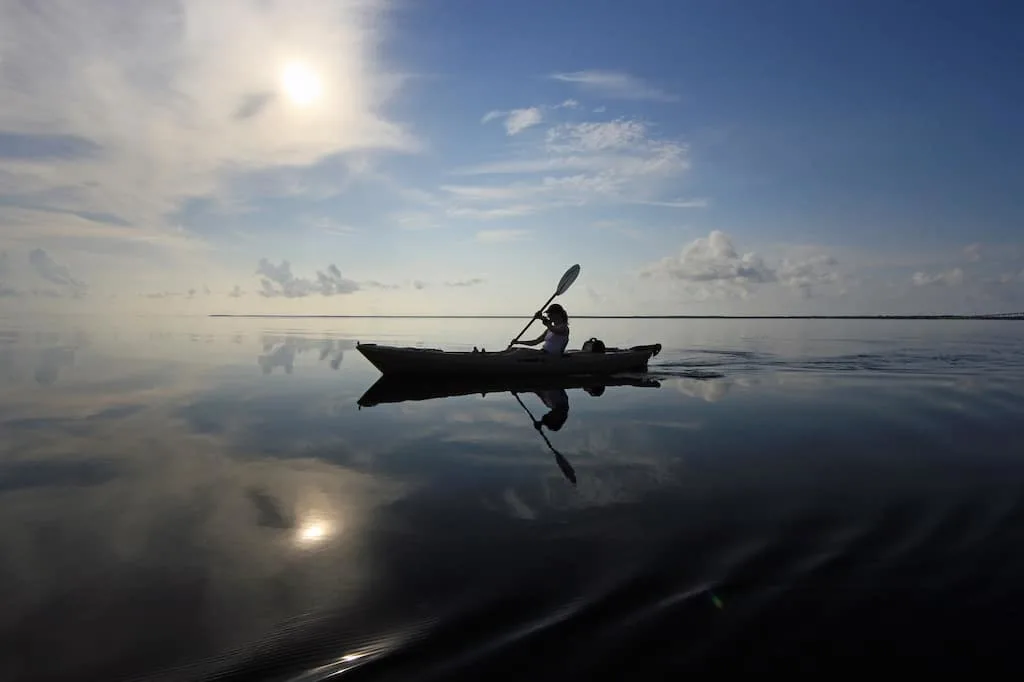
(395, 360)
(399, 389)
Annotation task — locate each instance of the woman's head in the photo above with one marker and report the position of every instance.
(557, 312)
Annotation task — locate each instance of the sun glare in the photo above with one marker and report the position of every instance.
(301, 84)
(313, 532)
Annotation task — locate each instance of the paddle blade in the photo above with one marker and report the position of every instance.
(567, 279)
(566, 468)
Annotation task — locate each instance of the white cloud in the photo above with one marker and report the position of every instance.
(278, 280)
(577, 164)
(804, 275)
(973, 253)
(519, 120)
(617, 84)
(711, 267)
(949, 278)
(498, 236)
(160, 103)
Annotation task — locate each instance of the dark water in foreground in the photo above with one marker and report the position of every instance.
(195, 499)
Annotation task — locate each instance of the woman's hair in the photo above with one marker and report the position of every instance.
(556, 309)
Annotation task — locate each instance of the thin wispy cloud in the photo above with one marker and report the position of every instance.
(517, 120)
(948, 278)
(131, 109)
(577, 164)
(501, 236)
(615, 84)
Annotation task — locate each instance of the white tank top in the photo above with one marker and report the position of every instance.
(555, 343)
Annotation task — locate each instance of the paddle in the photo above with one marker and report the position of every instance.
(563, 463)
(563, 285)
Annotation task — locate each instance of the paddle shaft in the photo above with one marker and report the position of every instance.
(563, 463)
(532, 320)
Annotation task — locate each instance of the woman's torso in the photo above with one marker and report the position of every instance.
(555, 343)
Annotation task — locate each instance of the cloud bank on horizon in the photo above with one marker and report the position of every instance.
(263, 156)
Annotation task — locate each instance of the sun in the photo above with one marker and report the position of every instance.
(301, 84)
(313, 532)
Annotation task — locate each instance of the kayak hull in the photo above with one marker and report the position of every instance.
(399, 389)
(407, 361)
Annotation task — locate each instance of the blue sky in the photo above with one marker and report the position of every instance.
(457, 156)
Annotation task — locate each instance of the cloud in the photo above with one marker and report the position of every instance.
(806, 274)
(711, 267)
(236, 292)
(133, 109)
(616, 84)
(52, 272)
(949, 278)
(331, 226)
(517, 120)
(278, 281)
(973, 253)
(498, 236)
(373, 284)
(576, 164)
(1011, 278)
(680, 203)
(465, 282)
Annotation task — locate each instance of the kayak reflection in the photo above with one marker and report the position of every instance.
(399, 389)
(552, 392)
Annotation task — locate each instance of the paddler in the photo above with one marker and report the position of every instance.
(556, 337)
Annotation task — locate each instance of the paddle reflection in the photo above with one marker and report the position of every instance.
(551, 391)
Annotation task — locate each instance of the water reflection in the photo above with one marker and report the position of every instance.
(390, 389)
(558, 400)
(551, 391)
(280, 351)
(164, 488)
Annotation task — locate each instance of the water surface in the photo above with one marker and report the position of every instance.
(204, 498)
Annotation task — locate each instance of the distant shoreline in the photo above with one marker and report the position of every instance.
(1000, 316)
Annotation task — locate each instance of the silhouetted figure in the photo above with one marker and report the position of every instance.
(557, 402)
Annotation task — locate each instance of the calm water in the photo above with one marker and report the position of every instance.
(194, 498)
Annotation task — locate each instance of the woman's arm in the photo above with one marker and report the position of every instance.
(532, 342)
(556, 327)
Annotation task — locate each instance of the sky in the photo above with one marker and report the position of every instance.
(457, 156)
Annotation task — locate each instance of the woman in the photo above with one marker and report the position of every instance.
(556, 338)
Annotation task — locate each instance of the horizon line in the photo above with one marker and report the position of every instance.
(979, 316)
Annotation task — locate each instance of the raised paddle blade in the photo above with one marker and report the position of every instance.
(563, 285)
(567, 279)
